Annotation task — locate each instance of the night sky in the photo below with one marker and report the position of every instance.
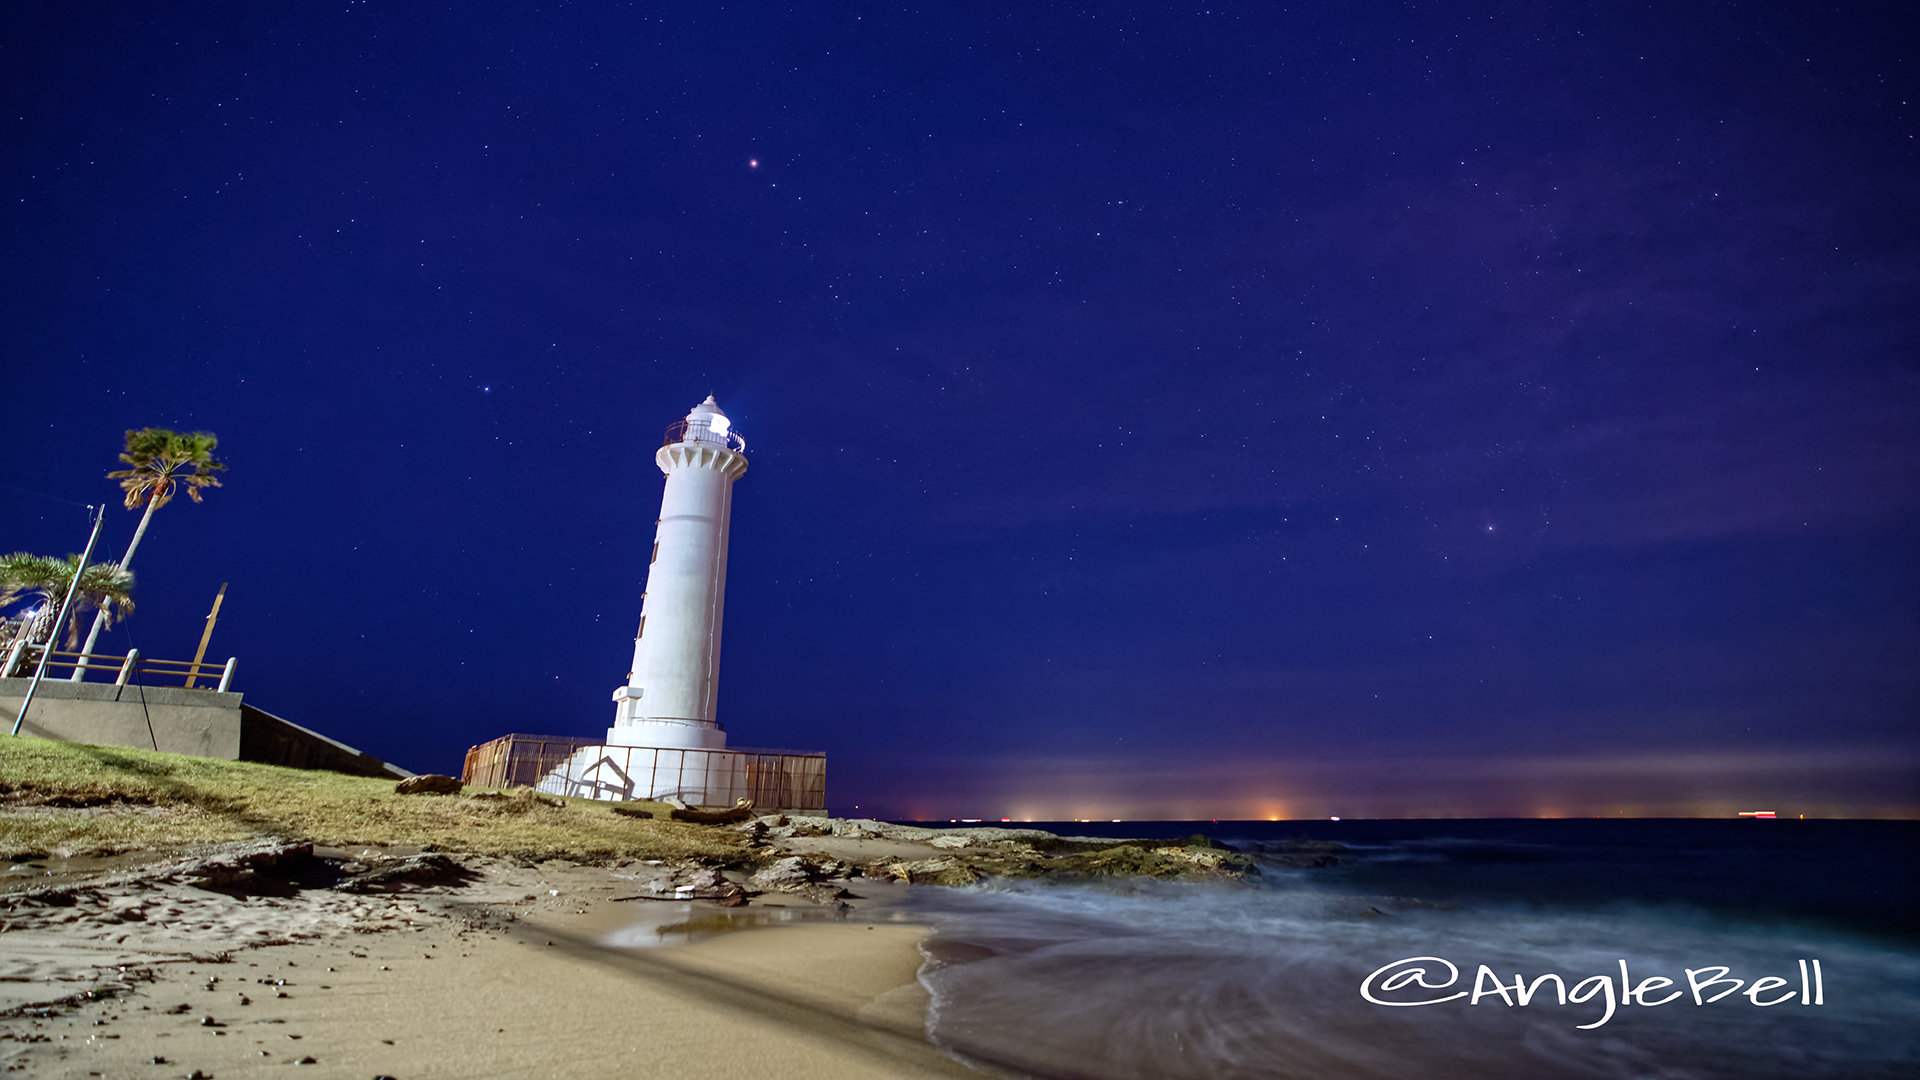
(1154, 411)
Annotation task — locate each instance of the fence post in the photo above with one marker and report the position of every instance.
(13, 654)
(126, 667)
(226, 677)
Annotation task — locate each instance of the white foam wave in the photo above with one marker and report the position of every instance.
(1160, 980)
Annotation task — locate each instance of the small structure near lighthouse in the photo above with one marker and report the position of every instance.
(666, 740)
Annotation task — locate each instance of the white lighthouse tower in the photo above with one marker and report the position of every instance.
(665, 742)
(669, 697)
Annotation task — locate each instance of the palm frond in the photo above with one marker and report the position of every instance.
(165, 461)
(104, 587)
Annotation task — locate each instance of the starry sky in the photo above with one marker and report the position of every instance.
(1155, 411)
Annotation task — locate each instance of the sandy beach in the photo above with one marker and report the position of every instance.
(507, 971)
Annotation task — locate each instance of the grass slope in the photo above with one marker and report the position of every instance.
(73, 799)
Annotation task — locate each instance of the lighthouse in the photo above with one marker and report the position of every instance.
(671, 692)
(665, 742)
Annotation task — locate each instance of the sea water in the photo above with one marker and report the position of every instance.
(1684, 949)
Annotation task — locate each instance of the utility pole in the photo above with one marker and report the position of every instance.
(206, 635)
(46, 654)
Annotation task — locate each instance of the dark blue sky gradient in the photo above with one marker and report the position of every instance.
(1239, 411)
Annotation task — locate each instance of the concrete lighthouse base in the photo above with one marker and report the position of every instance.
(667, 733)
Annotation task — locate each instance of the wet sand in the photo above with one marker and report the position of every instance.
(506, 974)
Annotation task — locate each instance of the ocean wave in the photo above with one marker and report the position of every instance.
(1149, 979)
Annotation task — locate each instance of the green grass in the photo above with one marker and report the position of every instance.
(69, 798)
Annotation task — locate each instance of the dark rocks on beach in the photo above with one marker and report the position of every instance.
(236, 863)
(966, 858)
(412, 870)
(792, 874)
(741, 811)
(940, 870)
(711, 885)
(428, 784)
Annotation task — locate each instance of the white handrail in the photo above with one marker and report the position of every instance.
(13, 656)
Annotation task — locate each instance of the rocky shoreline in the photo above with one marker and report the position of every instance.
(964, 856)
(99, 930)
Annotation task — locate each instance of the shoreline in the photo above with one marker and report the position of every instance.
(507, 972)
(212, 958)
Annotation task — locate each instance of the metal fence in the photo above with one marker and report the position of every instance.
(20, 657)
(518, 760)
(585, 768)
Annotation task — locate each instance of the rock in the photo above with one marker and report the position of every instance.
(428, 784)
(829, 896)
(232, 864)
(936, 871)
(793, 874)
(389, 873)
(1207, 859)
(741, 811)
(858, 827)
(708, 884)
(951, 843)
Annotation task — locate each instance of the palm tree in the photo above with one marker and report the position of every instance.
(163, 462)
(104, 587)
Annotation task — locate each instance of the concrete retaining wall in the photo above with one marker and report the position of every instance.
(204, 723)
(175, 720)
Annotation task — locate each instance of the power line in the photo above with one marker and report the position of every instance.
(44, 495)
